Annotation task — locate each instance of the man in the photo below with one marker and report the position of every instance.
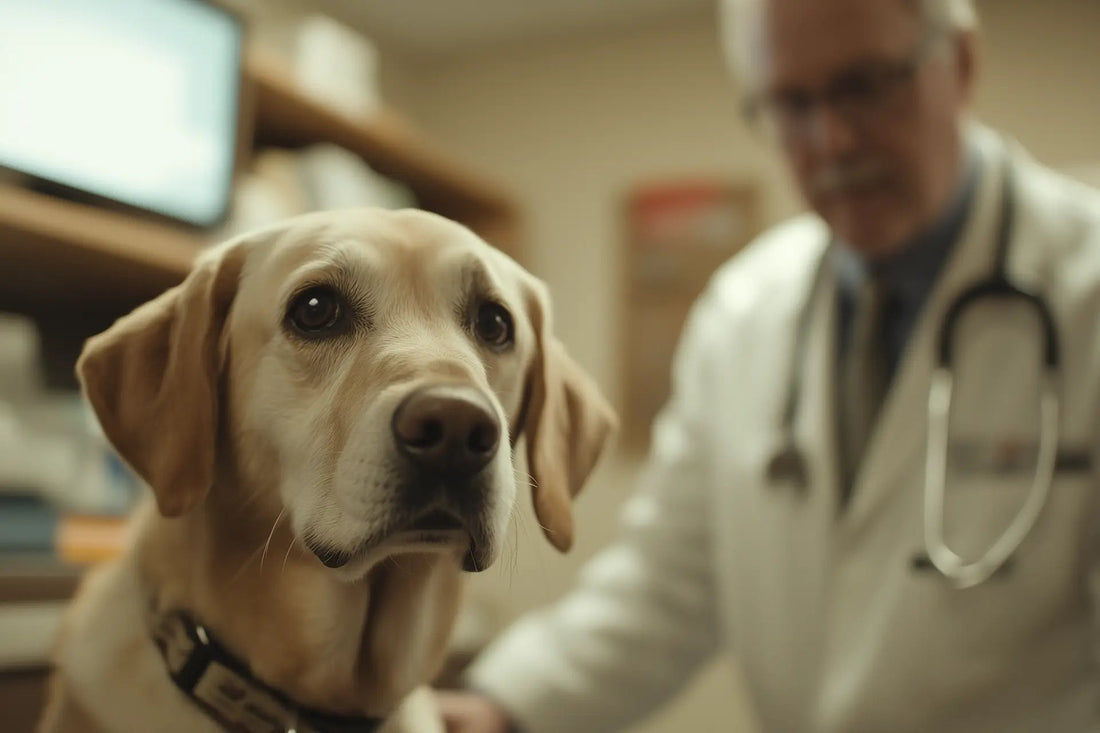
(792, 511)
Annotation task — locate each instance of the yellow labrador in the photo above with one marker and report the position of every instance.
(327, 414)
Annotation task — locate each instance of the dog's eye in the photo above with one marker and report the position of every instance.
(494, 325)
(316, 311)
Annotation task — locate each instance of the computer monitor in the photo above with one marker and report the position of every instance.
(131, 101)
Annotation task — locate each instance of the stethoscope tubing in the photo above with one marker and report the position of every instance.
(998, 287)
(961, 573)
(789, 466)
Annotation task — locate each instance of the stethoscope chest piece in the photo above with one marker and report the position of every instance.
(787, 469)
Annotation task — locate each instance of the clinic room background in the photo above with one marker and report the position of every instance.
(573, 124)
(592, 120)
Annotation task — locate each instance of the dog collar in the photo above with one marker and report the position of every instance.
(222, 685)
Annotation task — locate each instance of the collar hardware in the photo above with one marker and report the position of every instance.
(222, 685)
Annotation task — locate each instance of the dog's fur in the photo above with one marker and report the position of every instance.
(266, 451)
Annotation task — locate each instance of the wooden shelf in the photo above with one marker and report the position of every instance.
(59, 254)
(285, 116)
(36, 578)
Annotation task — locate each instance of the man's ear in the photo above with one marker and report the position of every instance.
(152, 380)
(967, 65)
(567, 423)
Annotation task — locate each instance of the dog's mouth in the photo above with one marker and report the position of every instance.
(435, 530)
(437, 520)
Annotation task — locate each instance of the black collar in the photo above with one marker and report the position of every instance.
(222, 685)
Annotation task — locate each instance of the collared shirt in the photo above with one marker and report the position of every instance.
(908, 274)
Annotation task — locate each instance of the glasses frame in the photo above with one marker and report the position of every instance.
(859, 94)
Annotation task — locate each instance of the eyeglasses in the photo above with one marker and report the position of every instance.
(860, 95)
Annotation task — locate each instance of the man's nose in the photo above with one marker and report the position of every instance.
(830, 132)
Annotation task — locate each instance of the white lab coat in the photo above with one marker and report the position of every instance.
(833, 628)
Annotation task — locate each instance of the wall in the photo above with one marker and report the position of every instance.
(570, 126)
(1042, 76)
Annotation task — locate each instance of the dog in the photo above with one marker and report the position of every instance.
(327, 413)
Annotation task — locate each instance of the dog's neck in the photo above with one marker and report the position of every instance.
(346, 648)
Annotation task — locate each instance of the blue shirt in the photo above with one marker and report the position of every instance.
(908, 274)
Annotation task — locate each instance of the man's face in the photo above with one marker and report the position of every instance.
(866, 102)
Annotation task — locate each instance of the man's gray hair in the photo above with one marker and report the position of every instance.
(950, 15)
(735, 19)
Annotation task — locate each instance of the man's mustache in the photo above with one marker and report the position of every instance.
(841, 177)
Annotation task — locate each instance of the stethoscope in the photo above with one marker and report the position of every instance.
(788, 465)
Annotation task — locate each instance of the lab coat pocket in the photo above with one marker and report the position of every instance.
(1041, 583)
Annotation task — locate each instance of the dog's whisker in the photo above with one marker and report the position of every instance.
(245, 564)
(253, 496)
(510, 567)
(269, 536)
(289, 547)
(524, 518)
(542, 526)
(513, 556)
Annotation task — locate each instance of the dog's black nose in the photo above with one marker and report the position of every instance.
(448, 430)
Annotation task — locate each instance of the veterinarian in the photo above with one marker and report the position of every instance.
(875, 485)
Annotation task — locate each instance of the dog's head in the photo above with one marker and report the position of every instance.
(366, 372)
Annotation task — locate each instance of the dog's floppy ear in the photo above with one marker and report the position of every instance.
(566, 424)
(152, 380)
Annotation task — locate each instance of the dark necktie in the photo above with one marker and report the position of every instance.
(863, 380)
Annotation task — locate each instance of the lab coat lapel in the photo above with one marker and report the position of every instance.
(894, 459)
(817, 426)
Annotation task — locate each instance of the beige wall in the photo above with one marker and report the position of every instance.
(570, 126)
(1041, 81)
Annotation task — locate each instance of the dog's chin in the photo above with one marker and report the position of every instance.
(474, 551)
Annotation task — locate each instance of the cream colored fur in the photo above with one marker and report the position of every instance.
(259, 444)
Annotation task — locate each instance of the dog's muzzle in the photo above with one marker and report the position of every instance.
(449, 433)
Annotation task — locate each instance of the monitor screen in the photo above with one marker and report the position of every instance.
(135, 101)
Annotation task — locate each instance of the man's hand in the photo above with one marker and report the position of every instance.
(469, 712)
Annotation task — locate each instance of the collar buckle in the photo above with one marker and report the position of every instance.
(220, 684)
